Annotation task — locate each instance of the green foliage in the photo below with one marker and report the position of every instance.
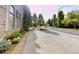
(13, 38)
(70, 15)
(40, 16)
(72, 22)
(13, 35)
(27, 22)
(73, 15)
(60, 17)
(16, 40)
(41, 21)
(34, 19)
(22, 31)
(65, 21)
(77, 16)
(54, 20)
(5, 45)
(35, 24)
(49, 22)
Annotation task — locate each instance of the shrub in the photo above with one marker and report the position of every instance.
(74, 22)
(22, 31)
(71, 22)
(16, 40)
(13, 35)
(65, 22)
(4, 45)
(8, 40)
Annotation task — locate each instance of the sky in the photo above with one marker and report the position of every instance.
(48, 10)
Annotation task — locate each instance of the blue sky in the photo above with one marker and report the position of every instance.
(67, 8)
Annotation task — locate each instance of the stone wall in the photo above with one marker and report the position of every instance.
(2, 18)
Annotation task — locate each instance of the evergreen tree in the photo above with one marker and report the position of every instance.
(34, 20)
(60, 17)
(26, 18)
(41, 21)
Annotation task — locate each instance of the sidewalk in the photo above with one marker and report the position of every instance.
(18, 49)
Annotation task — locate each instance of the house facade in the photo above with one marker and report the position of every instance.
(10, 18)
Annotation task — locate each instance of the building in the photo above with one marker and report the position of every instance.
(10, 18)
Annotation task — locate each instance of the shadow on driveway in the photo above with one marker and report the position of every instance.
(49, 32)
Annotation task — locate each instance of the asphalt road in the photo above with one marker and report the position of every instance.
(69, 31)
(52, 41)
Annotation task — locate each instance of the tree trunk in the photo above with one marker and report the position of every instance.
(74, 27)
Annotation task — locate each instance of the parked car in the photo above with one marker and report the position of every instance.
(43, 28)
(31, 28)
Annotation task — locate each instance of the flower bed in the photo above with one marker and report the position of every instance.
(5, 45)
(11, 39)
(16, 40)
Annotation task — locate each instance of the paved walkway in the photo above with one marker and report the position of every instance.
(30, 45)
(20, 46)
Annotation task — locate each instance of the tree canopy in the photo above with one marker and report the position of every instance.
(70, 15)
(40, 16)
(26, 18)
(34, 17)
(60, 17)
(41, 21)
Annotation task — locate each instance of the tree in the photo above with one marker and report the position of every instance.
(70, 15)
(26, 18)
(34, 17)
(41, 21)
(54, 20)
(34, 20)
(77, 16)
(40, 16)
(49, 22)
(60, 17)
(73, 22)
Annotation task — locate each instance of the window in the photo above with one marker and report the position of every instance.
(18, 19)
(11, 9)
(11, 17)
